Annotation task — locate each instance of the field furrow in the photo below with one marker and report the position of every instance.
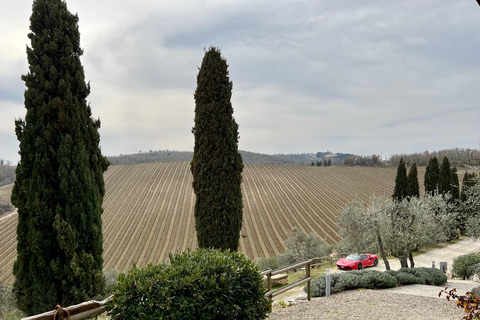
(149, 209)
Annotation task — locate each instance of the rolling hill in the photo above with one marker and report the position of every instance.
(148, 209)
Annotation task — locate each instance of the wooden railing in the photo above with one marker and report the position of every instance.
(269, 273)
(77, 312)
(307, 264)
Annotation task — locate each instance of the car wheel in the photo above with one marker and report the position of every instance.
(375, 262)
(359, 266)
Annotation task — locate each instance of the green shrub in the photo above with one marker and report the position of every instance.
(111, 280)
(474, 269)
(266, 263)
(461, 264)
(405, 278)
(377, 280)
(438, 276)
(8, 308)
(429, 276)
(346, 281)
(204, 284)
(476, 291)
(373, 279)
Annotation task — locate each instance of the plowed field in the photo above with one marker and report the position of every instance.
(148, 209)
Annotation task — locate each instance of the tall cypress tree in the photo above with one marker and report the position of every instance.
(59, 185)
(469, 180)
(432, 174)
(400, 190)
(217, 165)
(413, 189)
(445, 177)
(454, 185)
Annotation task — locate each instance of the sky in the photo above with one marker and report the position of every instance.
(364, 77)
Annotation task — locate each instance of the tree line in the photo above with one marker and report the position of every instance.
(406, 222)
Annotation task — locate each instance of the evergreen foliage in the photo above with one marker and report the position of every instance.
(454, 185)
(401, 189)
(432, 175)
(59, 185)
(204, 284)
(469, 180)
(217, 165)
(445, 177)
(413, 189)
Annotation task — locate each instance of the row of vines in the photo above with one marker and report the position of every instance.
(148, 209)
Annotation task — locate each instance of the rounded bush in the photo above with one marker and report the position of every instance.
(204, 284)
(372, 279)
(474, 269)
(404, 278)
(462, 263)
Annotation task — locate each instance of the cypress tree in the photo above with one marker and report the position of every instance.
(454, 185)
(59, 185)
(217, 165)
(413, 189)
(432, 173)
(400, 190)
(445, 177)
(469, 180)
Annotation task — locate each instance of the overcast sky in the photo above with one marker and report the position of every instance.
(364, 77)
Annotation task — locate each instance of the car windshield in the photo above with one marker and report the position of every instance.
(353, 257)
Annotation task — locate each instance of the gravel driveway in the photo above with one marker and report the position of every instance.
(405, 302)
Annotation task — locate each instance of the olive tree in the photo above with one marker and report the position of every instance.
(395, 228)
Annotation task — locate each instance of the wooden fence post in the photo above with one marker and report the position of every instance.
(309, 296)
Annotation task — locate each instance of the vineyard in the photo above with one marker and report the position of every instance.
(148, 209)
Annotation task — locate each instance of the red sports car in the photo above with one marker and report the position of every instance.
(357, 261)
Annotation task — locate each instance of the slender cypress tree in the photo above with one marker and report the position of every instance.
(217, 165)
(400, 190)
(432, 174)
(445, 177)
(469, 180)
(413, 189)
(59, 185)
(454, 185)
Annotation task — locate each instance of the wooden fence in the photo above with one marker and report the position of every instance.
(77, 312)
(309, 264)
(93, 308)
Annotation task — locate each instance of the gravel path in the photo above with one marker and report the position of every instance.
(372, 305)
(405, 302)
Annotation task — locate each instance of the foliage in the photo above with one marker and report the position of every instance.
(111, 280)
(395, 228)
(59, 184)
(175, 156)
(454, 186)
(373, 279)
(474, 269)
(405, 278)
(217, 165)
(470, 302)
(7, 303)
(470, 206)
(456, 156)
(413, 189)
(7, 173)
(469, 180)
(462, 264)
(268, 263)
(432, 176)
(444, 177)
(401, 185)
(204, 284)
(301, 246)
(367, 279)
(429, 276)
